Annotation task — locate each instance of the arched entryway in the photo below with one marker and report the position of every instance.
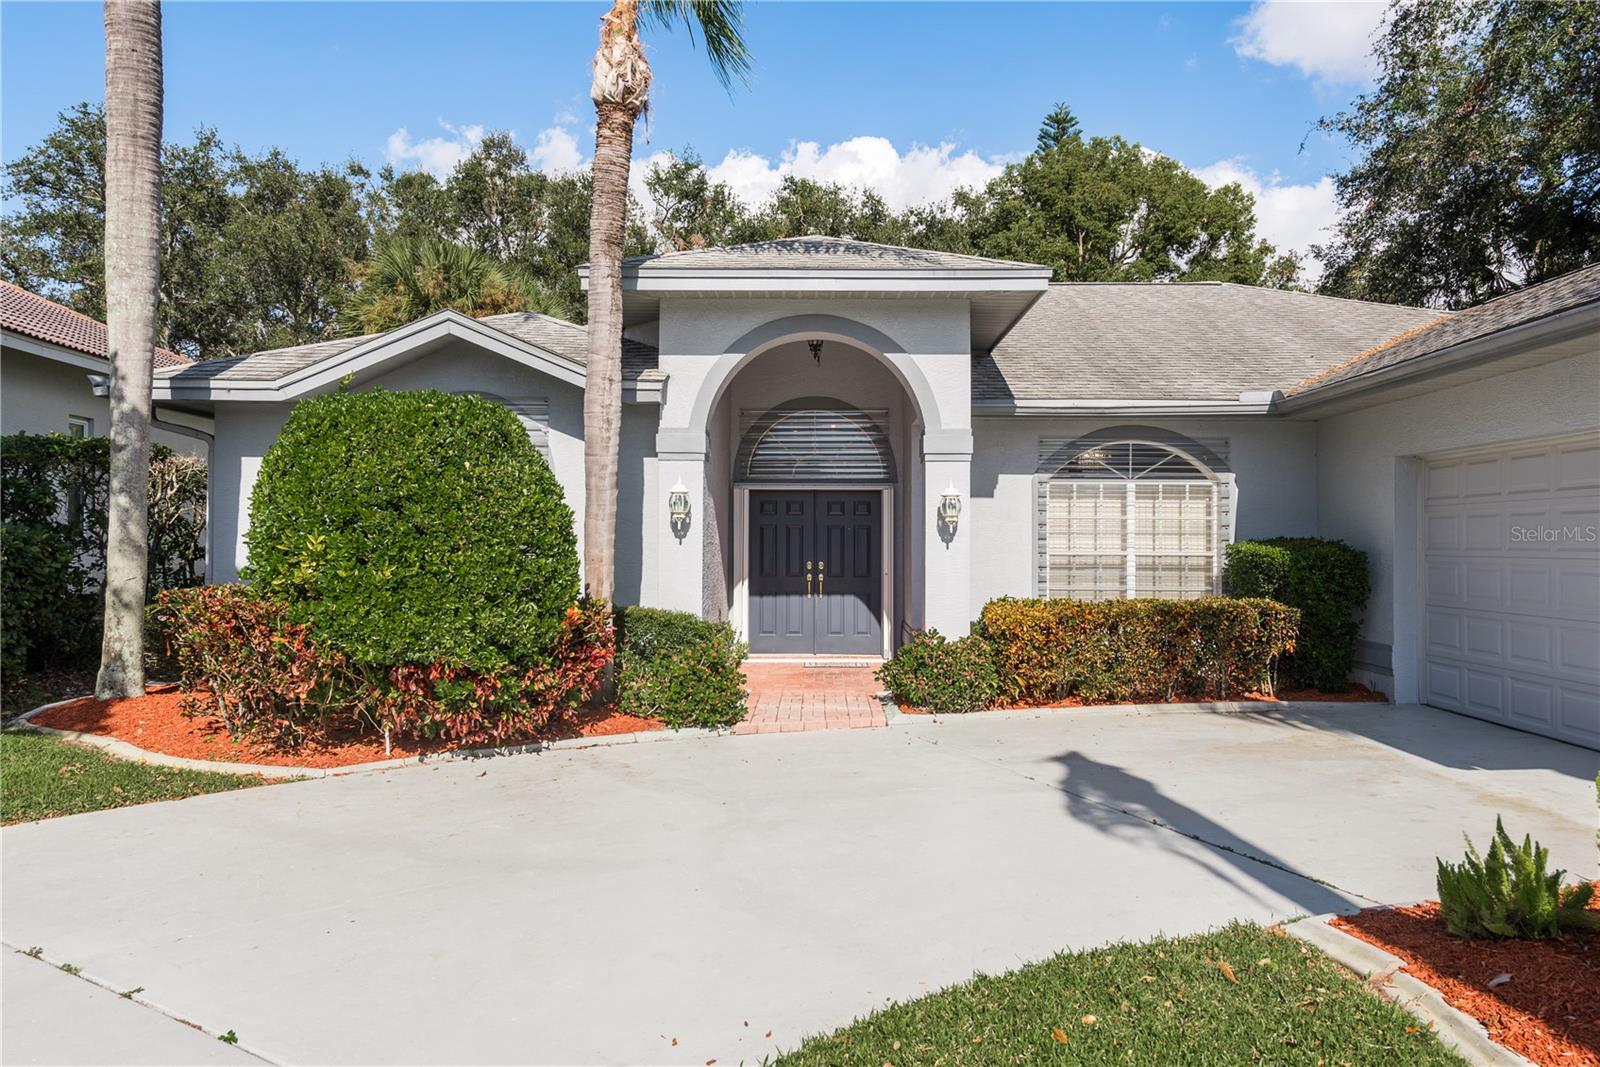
(815, 483)
(807, 461)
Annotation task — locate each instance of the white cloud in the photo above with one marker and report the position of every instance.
(555, 150)
(1329, 40)
(919, 175)
(1290, 216)
(436, 155)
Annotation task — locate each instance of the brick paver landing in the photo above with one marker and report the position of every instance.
(788, 696)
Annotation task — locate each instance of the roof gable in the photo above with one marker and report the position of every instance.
(816, 253)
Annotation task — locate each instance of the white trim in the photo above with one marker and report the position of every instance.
(1125, 406)
(60, 353)
(739, 611)
(440, 326)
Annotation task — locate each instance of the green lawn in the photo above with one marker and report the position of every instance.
(1161, 1002)
(42, 777)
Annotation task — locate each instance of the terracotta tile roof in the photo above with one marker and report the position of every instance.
(33, 316)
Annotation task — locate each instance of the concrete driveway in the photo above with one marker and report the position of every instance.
(734, 894)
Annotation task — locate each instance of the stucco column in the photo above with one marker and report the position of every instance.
(680, 553)
(946, 553)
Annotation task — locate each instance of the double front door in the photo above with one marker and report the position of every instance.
(816, 571)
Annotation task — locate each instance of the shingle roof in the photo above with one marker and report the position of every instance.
(1519, 308)
(556, 336)
(45, 320)
(819, 253)
(1183, 341)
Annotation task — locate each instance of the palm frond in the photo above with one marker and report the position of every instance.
(720, 22)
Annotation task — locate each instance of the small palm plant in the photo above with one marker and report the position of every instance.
(1509, 893)
(410, 277)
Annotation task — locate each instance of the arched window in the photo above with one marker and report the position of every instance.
(1131, 516)
(815, 440)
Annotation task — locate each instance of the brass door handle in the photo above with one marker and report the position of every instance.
(808, 577)
(822, 574)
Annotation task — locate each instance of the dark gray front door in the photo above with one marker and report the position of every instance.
(815, 574)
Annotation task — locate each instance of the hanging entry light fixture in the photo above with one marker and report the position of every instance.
(815, 344)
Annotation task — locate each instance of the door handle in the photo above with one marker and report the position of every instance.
(822, 574)
(808, 578)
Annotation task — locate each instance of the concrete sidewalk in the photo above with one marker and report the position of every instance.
(738, 893)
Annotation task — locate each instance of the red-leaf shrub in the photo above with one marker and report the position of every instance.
(460, 704)
(241, 659)
(1213, 647)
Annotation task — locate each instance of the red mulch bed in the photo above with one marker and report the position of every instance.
(156, 722)
(1356, 694)
(1548, 1012)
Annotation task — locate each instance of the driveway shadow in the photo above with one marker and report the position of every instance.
(1104, 796)
(1440, 737)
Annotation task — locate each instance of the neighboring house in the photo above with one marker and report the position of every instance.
(48, 353)
(871, 440)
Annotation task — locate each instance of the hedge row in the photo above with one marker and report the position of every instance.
(1327, 582)
(1039, 651)
(1213, 647)
(53, 498)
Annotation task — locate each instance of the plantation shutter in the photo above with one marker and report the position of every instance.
(534, 414)
(1133, 518)
(814, 445)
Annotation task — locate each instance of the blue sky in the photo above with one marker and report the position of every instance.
(910, 97)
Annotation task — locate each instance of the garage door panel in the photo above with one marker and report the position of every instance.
(1444, 533)
(1485, 583)
(1580, 650)
(1529, 471)
(1511, 586)
(1444, 632)
(1578, 467)
(1579, 715)
(1532, 703)
(1486, 693)
(1580, 591)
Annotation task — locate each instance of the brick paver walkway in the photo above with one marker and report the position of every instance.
(790, 695)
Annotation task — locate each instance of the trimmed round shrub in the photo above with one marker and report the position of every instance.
(946, 677)
(420, 528)
(1326, 580)
(678, 668)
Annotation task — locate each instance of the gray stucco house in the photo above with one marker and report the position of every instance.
(872, 440)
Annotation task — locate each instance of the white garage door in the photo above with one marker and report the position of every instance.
(1511, 586)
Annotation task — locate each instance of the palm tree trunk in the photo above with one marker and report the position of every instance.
(620, 88)
(133, 272)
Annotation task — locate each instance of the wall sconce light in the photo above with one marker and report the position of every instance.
(678, 509)
(816, 349)
(950, 508)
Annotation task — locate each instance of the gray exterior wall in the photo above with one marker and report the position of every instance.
(37, 395)
(1368, 490)
(1274, 464)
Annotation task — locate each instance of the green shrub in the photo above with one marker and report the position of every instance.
(678, 668)
(415, 528)
(1326, 580)
(53, 497)
(1509, 893)
(1213, 647)
(947, 677)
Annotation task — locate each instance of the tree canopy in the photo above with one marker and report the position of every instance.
(1479, 166)
(259, 251)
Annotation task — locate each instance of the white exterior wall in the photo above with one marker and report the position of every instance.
(924, 343)
(37, 394)
(1369, 491)
(244, 432)
(1274, 464)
